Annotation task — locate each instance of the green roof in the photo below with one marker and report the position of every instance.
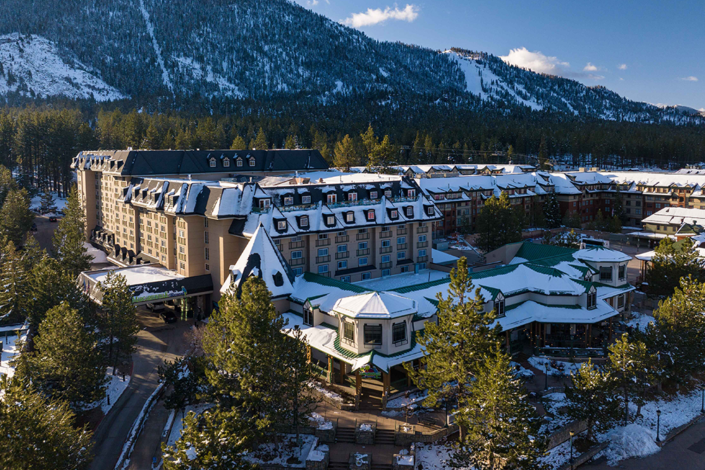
(534, 251)
(327, 281)
(425, 285)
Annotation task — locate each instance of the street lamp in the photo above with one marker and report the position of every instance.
(658, 425)
(571, 449)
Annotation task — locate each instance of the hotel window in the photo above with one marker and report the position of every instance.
(348, 332)
(205, 237)
(592, 297)
(499, 306)
(226, 163)
(239, 162)
(288, 200)
(362, 246)
(386, 272)
(323, 236)
(350, 217)
(342, 264)
(331, 198)
(323, 252)
(605, 273)
(404, 269)
(281, 225)
(401, 255)
(399, 333)
(422, 252)
(330, 220)
(342, 248)
(352, 196)
(322, 269)
(409, 211)
(308, 316)
(370, 215)
(394, 214)
(622, 271)
(386, 243)
(366, 276)
(411, 193)
(252, 161)
(373, 335)
(401, 240)
(264, 203)
(205, 223)
(373, 194)
(620, 301)
(387, 193)
(297, 254)
(362, 262)
(208, 254)
(212, 162)
(306, 199)
(422, 238)
(385, 258)
(345, 278)
(297, 271)
(208, 267)
(304, 221)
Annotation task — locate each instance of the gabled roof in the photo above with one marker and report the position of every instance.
(262, 259)
(375, 305)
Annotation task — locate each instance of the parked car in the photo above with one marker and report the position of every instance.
(52, 218)
(168, 316)
(156, 307)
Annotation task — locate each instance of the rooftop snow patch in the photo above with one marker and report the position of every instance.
(375, 305)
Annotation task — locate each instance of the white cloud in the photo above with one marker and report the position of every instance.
(536, 61)
(376, 16)
(622, 67)
(690, 79)
(591, 68)
(592, 76)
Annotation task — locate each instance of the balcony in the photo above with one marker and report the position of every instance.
(295, 245)
(342, 239)
(402, 246)
(363, 236)
(324, 242)
(385, 249)
(404, 199)
(297, 262)
(300, 207)
(385, 265)
(364, 252)
(342, 255)
(422, 229)
(322, 259)
(385, 234)
(422, 259)
(402, 231)
(421, 244)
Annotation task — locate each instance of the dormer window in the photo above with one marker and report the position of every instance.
(387, 193)
(394, 214)
(411, 193)
(281, 225)
(350, 217)
(308, 315)
(212, 162)
(592, 298)
(288, 200)
(371, 215)
(264, 204)
(226, 162)
(304, 221)
(499, 305)
(410, 212)
(251, 161)
(238, 162)
(374, 194)
(306, 199)
(331, 198)
(429, 210)
(352, 197)
(330, 220)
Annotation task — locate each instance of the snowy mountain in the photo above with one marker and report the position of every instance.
(31, 66)
(268, 51)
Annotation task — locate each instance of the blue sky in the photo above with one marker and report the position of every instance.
(647, 50)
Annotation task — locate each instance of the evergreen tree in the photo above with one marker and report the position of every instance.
(260, 143)
(672, 262)
(369, 142)
(169, 141)
(591, 399)
(599, 222)
(498, 223)
(570, 240)
(39, 432)
(186, 379)
(7, 183)
(183, 140)
(118, 320)
(152, 138)
(510, 154)
(289, 143)
(47, 203)
(238, 144)
(618, 207)
(615, 225)
(65, 363)
(678, 334)
(543, 154)
(572, 219)
(552, 211)
(382, 155)
(14, 286)
(344, 155)
(503, 429)
(631, 368)
(454, 347)
(15, 216)
(70, 236)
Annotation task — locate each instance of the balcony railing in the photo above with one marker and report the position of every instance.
(342, 255)
(261, 210)
(363, 236)
(422, 259)
(322, 259)
(401, 246)
(385, 234)
(300, 207)
(295, 245)
(364, 252)
(402, 231)
(422, 229)
(385, 265)
(342, 239)
(421, 244)
(404, 199)
(324, 242)
(297, 261)
(385, 249)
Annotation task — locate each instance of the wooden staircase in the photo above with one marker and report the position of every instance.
(385, 437)
(345, 435)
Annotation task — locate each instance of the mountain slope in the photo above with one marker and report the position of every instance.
(276, 49)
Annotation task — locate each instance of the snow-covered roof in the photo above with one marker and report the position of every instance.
(135, 275)
(375, 305)
(599, 254)
(441, 257)
(676, 216)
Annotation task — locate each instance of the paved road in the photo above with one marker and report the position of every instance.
(45, 232)
(685, 452)
(155, 344)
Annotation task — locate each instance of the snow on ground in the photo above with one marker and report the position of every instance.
(9, 351)
(178, 425)
(554, 418)
(320, 389)
(433, 456)
(320, 422)
(36, 202)
(413, 399)
(629, 441)
(36, 62)
(555, 368)
(99, 256)
(115, 388)
(280, 453)
(641, 321)
(520, 372)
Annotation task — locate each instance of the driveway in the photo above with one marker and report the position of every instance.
(156, 342)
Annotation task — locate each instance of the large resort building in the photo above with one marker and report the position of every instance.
(348, 257)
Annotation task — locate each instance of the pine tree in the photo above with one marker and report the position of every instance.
(66, 364)
(39, 432)
(186, 380)
(169, 141)
(289, 143)
(672, 262)
(678, 334)
(15, 216)
(631, 368)
(260, 142)
(183, 140)
(428, 149)
(591, 399)
(47, 203)
(118, 319)
(454, 347)
(369, 142)
(497, 224)
(503, 429)
(510, 154)
(382, 155)
(238, 144)
(543, 154)
(14, 286)
(7, 183)
(615, 225)
(618, 207)
(570, 240)
(344, 155)
(152, 138)
(235, 337)
(70, 236)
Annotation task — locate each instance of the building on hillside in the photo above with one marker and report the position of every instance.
(556, 301)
